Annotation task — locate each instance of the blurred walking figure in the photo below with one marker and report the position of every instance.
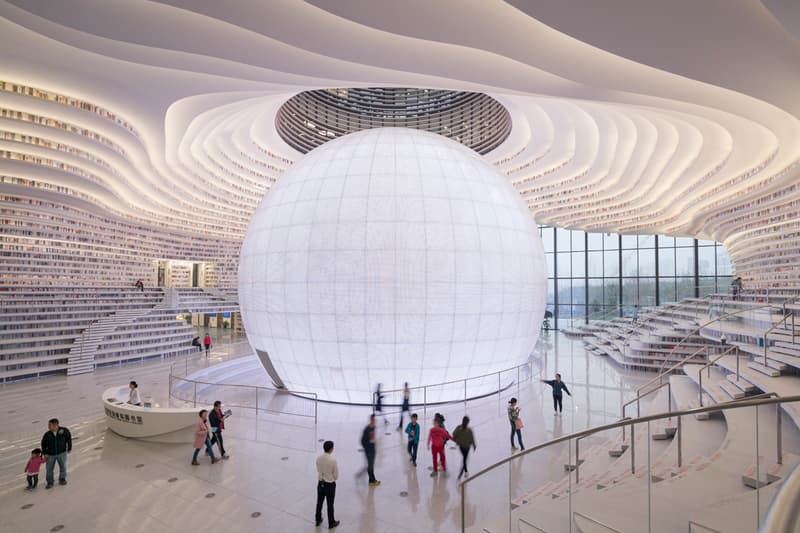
(465, 439)
(516, 423)
(405, 407)
(368, 443)
(558, 386)
(378, 409)
(207, 343)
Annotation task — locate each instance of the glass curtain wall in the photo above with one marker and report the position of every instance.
(596, 276)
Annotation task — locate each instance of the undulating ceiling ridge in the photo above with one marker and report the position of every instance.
(161, 115)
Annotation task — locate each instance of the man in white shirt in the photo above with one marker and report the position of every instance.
(328, 473)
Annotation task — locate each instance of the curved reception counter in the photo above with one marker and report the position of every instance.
(157, 424)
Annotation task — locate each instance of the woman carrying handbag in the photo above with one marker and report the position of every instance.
(516, 423)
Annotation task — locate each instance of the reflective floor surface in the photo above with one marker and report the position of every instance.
(268, 484)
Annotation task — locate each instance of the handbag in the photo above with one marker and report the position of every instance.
(518, 423)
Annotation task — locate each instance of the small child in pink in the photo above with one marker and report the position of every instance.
(32, 468)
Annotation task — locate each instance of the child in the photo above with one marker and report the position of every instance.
(32, 468)
(436, 439)
(412, 429)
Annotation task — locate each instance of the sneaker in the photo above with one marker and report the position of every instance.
(414, 463)
(319, 522)
(226, 456)
(333, 524)
(215, 460)
(374, 483)
(29, 488)
(513, 447)
(49, 486)
(555, 414)
(195, 463)
(433, 474)
(62, 481)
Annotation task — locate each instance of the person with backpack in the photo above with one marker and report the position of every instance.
(465, 439)
(516, 423)
(437, 436)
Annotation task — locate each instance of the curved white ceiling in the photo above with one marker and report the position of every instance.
(639, 117)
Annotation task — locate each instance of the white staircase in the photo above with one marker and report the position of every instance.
(81, 355)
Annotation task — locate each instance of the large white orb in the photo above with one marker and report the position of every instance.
(391, 255)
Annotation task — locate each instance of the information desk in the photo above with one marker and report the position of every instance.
(157, 424)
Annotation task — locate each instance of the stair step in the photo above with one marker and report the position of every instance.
(744, 386)
(731, 390)
(617, 452)
(665, 434)
(766, 370)
(571, 467)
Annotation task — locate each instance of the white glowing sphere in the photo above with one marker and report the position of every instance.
(388, 256)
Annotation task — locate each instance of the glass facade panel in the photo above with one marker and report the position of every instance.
(654, 270)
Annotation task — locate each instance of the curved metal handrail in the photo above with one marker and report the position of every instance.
(784, 510)
(738, 404)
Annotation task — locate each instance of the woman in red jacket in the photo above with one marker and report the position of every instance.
(436, 438)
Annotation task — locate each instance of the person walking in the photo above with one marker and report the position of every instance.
(635, 314)
(32, 468)
(207, 343)
(405, 406)
(201, 438)
(216, 419)
(558, 387)
(465, 439)
(56, 445)
(133, 395)
(516, 423)
(436, 439)
(368, 443)
(378, 408)
(327, 474)
(413, 431)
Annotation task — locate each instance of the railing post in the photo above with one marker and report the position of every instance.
(463, 506)
(633, 451)
(517, 381)
(669, 397)
(425, 403)
(577, 461)
(256, 402)
(700, 392)
(194, 395)
(465, 394)
(779, 431)
(737, 366)
(316, 403)
(680, 443)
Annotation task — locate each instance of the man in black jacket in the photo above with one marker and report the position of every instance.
(368, 443)
(216, 419)
(56, 444)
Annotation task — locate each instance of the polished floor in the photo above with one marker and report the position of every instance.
(268, 484)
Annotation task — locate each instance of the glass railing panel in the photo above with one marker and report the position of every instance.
(486, 502)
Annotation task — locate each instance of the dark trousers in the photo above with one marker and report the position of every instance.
(464, 454)
(557, 403)
(412, 450)
(33, 480)
(403, 410)
(217, 438)
(370, 464)
(208, 347)
(518, 432)
(325, 492)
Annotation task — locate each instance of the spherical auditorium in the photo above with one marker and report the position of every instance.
(400, 266)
